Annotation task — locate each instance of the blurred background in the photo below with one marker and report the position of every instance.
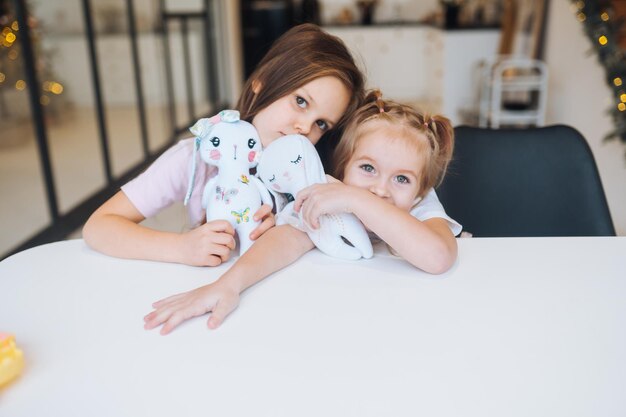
(91, 92)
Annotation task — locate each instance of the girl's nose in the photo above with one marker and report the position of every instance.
(302, 127)
(379, 189)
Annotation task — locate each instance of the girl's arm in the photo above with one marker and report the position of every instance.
(428, 245)
(277, 248)
(114, 229)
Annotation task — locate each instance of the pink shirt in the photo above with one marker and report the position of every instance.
(166, 182)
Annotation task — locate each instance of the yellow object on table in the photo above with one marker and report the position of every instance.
(11, 359)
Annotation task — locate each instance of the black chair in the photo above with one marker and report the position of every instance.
(525, 182)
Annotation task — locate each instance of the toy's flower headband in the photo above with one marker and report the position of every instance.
(204, 126)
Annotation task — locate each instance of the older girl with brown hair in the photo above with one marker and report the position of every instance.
(307, 83)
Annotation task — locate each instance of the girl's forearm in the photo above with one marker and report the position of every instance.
(118, 236)
(428, 245)
(114, 229)
(274, 250)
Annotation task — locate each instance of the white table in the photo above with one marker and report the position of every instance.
(518, 327)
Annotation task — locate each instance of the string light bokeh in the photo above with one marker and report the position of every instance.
(603, 29)
(12, 73)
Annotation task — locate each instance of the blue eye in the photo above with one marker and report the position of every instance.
(251, 143)
(301, 102)
(367, 168)
(403, 179)
(215, 141)
(322, 125)
(297, 160)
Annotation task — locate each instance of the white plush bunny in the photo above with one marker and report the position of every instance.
(233, 195)
(290, 164)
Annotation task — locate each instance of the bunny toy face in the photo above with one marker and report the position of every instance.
(290, 165)
(231, 144)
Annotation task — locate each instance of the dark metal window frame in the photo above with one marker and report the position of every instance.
(64, 224)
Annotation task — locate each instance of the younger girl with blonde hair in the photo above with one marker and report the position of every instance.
(387, 163)
(389, 160)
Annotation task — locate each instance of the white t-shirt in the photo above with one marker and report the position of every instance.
(429, 207)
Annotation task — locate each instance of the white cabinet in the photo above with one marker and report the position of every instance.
(390, 57)
(421, 65)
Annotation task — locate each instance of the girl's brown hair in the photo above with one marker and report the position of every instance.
(436, 130)
(301, 55)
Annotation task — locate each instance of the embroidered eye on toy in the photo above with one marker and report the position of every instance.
(290, 164)
(233, 195)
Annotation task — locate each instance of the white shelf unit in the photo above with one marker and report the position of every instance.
(527, 78)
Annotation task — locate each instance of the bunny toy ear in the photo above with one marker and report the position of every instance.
(203, 126)
(192, 172)
(313, 168)
(229, 116)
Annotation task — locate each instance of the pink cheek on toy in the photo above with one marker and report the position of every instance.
(215, 155)
(251, 156)
(276, 187)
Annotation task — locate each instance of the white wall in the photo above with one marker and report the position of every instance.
(579, 97)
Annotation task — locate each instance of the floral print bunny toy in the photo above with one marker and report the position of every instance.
(233, 195)
(290, 164)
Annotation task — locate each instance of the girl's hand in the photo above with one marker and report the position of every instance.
(319, 199)
(217, 298)
(207, 245)
(264, 213)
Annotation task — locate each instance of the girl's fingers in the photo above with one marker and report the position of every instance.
(174, 320)
(221, 252)
(313, 222)
(301, 197)
(262, 212)
(148, 317)
(267, 224)
(156, 318)
(163, 301)
(219, 313)
(174, 310)
(213, 260)
(297, 205)
(224, 239)
(308, 215)
(316, 222)
(220, 226)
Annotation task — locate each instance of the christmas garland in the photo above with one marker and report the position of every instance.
(602, 27)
